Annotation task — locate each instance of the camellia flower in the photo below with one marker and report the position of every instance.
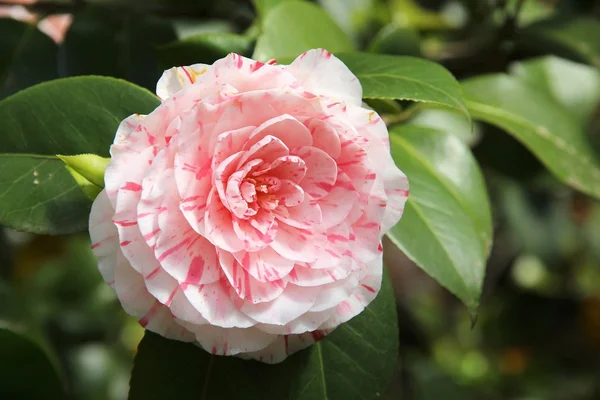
(246, 212)
(54, 26)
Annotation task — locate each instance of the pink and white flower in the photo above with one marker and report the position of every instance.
(246, 212)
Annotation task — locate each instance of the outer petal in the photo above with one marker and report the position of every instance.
(104, 236)
(321, 73)
(230, 341)
(136, 301)
(369, 125)
(177, 78)
(366, 291)
(214, 302)
(286, 345)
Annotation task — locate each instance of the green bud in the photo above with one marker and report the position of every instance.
(88, 172)
(89, 166)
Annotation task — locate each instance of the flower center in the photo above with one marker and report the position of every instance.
(260, 192)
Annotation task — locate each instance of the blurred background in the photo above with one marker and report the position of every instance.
(537, 334)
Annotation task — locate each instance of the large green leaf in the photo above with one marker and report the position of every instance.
(39, 195)
(449, 121)
(65, 116)
(540, 123)
(28, 56)
(574, 86)
(292, 27)
(446, 227)
(356, 361)
(405, 78)
(574, 38)
(102, 43)
(203, 48)
(26, 369)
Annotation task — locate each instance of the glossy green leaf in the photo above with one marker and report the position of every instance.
(405, 78)
(65, 116)
(26, 369)
(540, 123)
(448, 121)
(70, 116)
(39, 195)
(28, 56)
(573, 38)
(292, 27)
(204, 48)
(356, 361)
(574, 86)
(102, 43)
(446, 228)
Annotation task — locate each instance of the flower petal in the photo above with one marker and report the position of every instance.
(321, 73)
(321, 171)
(177, 78)
(265, 265)
(246, 287)
(294, 244)
(289, 305)
(219, 225)
(214, 302)
(286, 128)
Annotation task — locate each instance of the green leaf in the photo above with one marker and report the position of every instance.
(264, 6)
(102, 43)
(446, 227)
(356, 361)
(405, 78)
(540, 123)
(575, 38)
(395, 40)
(28, 56)
(574, 86)
(292, 27)
(70, 116)
(409, 13)
(23, 359)
(204, 48)
(65, 116)
(352, 16)
(39, 195)
(448, 121)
